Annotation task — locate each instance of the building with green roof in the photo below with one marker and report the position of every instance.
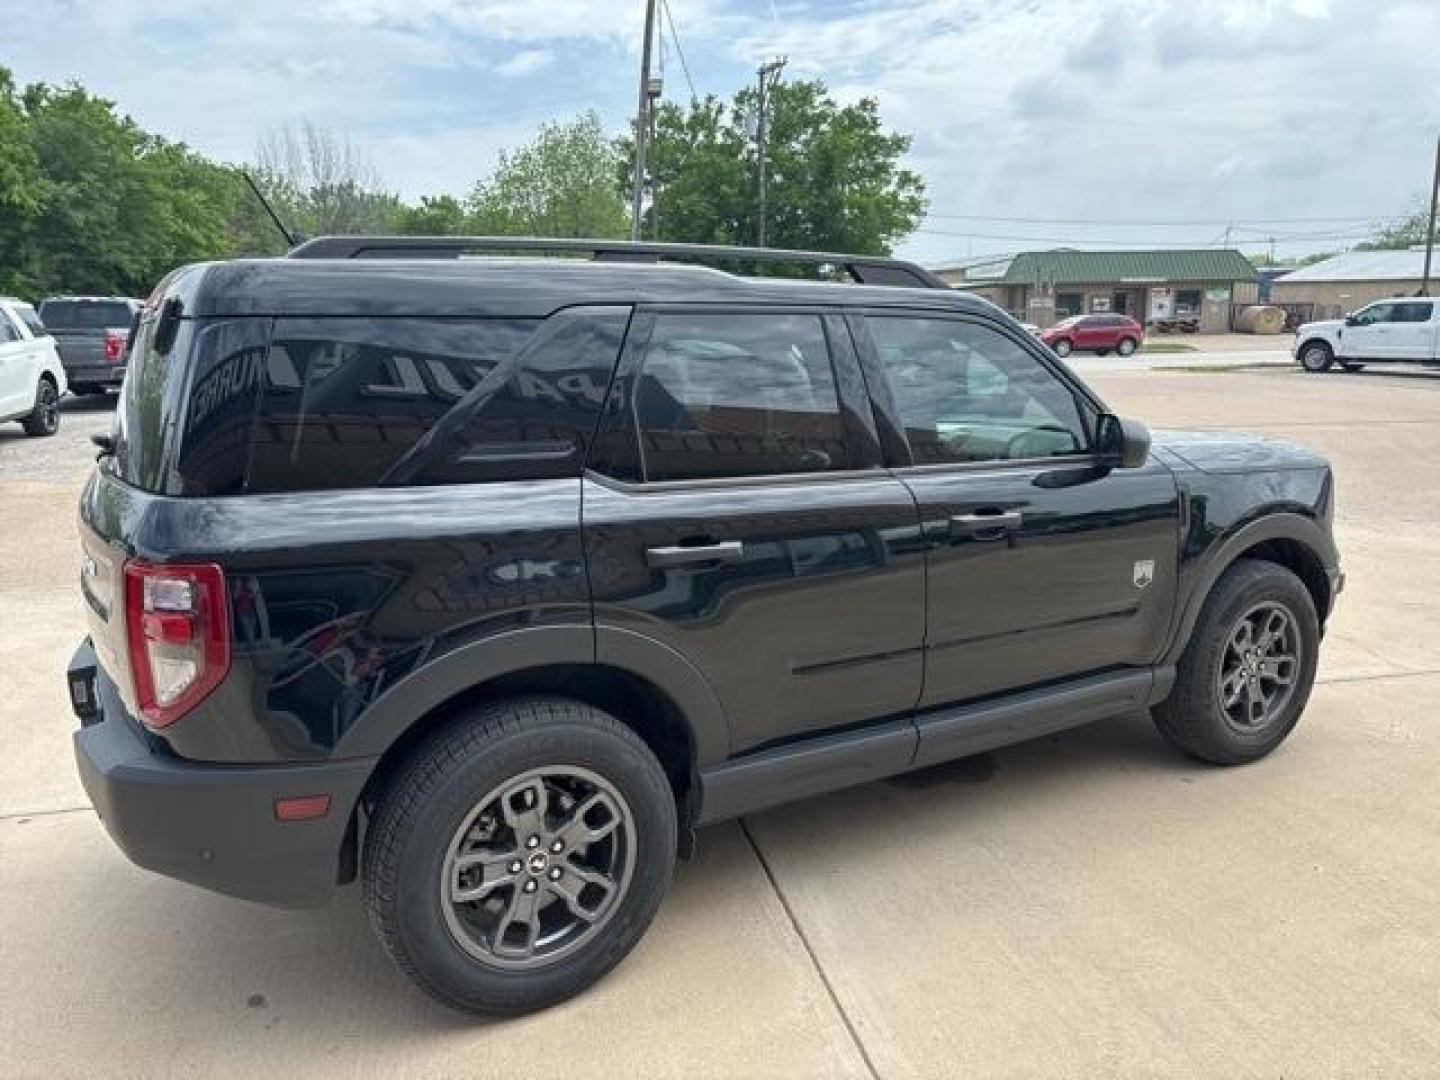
(1204, 286)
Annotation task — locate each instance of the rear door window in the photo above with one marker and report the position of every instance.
(345, 399)
(737, 394)
(85, 314)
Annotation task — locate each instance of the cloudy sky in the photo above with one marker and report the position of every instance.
(1035, 122)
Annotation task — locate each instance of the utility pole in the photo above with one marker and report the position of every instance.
(769, 74)
(1430, 229)
(642, 122)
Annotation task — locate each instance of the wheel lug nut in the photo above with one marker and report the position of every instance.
(529, 886)
(555, 873)
(558, 846)
(516, 867)
(533, 842)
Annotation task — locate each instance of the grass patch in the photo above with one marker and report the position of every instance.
(1167, 347)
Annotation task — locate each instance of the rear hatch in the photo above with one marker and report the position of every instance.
(80, 327)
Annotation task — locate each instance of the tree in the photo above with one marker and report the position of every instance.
(437, 215)
(835, 178)
(1406, 233)
(322, 184)
(99, 205)
(560, 185)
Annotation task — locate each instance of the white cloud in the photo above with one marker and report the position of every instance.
(526, 62)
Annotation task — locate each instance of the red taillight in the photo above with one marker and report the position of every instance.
(177, 623)
(114, 345)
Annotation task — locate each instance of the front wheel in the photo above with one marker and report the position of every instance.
(1062, 348)
(519, 854)
(1317, 357)
(1246, 674)
(1126, 347)
(44, 419)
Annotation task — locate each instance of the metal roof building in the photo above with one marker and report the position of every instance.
(1345, 282)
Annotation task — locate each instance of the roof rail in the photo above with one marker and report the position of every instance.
(863, 269)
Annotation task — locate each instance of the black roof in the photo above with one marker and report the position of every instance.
(505, 288)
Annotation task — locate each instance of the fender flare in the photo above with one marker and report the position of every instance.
(1283, 526)
(479, 662)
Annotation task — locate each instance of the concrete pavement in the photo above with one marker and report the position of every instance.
(1089, 904)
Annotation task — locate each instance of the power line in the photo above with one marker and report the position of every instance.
(675, 37)
(1357, 220)
(1212, 241)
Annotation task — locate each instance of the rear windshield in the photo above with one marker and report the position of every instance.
(85, 314)
(146, 403)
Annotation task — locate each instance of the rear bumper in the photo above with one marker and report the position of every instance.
(94, 374)
(210, 825)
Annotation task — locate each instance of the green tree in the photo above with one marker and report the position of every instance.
(1406, 233)
(437, 215)
(560, 185)
(835, 179)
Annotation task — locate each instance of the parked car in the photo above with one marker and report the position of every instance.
(489, 581)
(1095, 333)
(32, 379)
(1402, 330)
(92, 333)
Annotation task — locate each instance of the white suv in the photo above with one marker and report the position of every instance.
(31, 376)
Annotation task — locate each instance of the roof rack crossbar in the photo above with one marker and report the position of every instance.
(863, 269)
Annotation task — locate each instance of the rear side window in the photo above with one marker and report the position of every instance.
(26, 315)
(1415, 313)
(85, 314)
(733, 395)
(345, 399)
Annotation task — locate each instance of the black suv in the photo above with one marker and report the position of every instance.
(488, 580)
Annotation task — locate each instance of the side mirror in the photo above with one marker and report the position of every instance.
(1122, 444)
(1350, 320)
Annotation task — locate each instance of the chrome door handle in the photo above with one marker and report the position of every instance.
(662, 558)
(986, 526)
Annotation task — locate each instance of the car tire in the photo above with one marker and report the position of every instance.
(1062, 348)
(453, 816)
(1212, 713)
(1316, 357)
(1126, 347)
(44, 419)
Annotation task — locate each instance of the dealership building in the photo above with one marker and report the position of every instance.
(1042, 287)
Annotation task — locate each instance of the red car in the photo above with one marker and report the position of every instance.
(1095, 333)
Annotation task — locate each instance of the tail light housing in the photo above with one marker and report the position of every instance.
(177, 625)
(114, 345)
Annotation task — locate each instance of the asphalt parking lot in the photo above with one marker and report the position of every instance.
(1087, 904)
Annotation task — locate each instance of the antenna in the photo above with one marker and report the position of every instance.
(290, 238)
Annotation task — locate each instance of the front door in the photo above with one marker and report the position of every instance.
(1042, 565)
(1371, 334)
(739, 516)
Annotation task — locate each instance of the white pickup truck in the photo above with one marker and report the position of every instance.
(1402, 330)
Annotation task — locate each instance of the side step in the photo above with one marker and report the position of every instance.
(830, 762)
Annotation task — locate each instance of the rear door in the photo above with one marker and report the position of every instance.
(1042, 564)
(1413, 331)
(739, 515)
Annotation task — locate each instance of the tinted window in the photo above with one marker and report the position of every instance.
(344, 400)
(32, 321)
(85, 314)
(1375, 313)
(147, 403)
(968, 393)
(737, 395)
(1415, 313)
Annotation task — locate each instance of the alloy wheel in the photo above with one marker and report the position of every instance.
(1260, 666)
(538, 867)
(47, 408)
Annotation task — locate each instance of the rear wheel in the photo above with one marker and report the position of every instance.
(519, 855)
(1316, 357)
(44, 419)
(1126, 346)
(1246, 675)
(1062, 348)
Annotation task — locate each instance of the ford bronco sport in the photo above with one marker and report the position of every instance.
(489, 580)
